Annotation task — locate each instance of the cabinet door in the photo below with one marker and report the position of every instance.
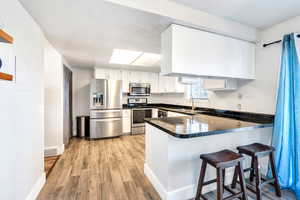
(102, 73)
(126, 78)
(226, 57)
(220, 84)
(126, 121)
(115, 74)
(163, 87)
(135, 77)
(171, 82)
(153, 80)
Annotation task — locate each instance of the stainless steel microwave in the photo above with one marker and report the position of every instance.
(139, 89)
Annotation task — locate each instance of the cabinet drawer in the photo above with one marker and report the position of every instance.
(127, 113)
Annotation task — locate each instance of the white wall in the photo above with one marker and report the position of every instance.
(81, 93)
(22, 108)
(53, 101)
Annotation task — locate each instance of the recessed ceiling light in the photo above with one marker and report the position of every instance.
(147, 59)
(122, 56)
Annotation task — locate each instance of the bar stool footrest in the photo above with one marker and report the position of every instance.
(210, 182)
(236, 195)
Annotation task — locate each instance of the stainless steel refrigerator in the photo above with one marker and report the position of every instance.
(105, 108)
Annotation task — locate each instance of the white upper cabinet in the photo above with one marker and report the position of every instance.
(220, 84)
(169, 84)
(153, 80)
(191, 52)
(126, 77)
(101, 73)
(113, 74)
(159, 84)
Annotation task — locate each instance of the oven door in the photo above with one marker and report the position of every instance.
(138, 119)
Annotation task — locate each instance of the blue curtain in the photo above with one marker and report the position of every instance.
(286, 132)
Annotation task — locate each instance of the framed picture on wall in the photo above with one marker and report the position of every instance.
(7, 64)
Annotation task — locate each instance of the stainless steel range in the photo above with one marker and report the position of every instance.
(140, 111)
(105, 108)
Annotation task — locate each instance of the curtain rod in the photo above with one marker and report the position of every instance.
(275, 42)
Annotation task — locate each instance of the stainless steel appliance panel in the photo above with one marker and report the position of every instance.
(105, 105)
(98, 93)
(105, 94)
(114, 94)
(139, 89)
(138, 116)
(105, 128)
(99, 114)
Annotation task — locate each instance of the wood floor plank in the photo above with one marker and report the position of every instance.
(109, 169)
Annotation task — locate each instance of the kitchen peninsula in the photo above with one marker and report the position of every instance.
(174, 144)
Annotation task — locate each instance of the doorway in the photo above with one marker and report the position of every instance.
(68, 101)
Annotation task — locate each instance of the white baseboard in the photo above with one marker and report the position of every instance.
(61, 149)
(155, 182)
(183, 193)
(37, 188)
(54, 150)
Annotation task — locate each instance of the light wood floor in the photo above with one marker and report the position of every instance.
(110, 169)
(50, 163)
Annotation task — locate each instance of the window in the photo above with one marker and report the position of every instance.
(196, 90)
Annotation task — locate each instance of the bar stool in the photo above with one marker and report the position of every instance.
(256, 151)
(222, 160)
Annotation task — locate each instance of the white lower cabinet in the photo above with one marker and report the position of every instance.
(126, 121)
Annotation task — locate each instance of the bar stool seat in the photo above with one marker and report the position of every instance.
(255, 151)
(222, 160)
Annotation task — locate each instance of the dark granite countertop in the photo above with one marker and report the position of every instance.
(243, 116)
(202, 125)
